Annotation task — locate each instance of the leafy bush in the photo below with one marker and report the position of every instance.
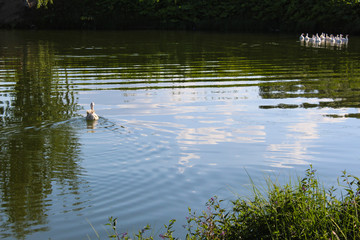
(305, 210)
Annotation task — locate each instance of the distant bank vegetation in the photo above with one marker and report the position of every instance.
(227, 15)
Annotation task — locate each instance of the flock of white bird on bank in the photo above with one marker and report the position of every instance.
(338, 39)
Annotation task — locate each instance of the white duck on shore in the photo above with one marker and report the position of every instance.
(90, 114)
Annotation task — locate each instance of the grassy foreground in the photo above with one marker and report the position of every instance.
(304, 210)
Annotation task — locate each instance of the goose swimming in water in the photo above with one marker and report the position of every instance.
(90, 114)
(325, 39)
(302, 38)
(317, 38)
(306, 37)
(344, 40)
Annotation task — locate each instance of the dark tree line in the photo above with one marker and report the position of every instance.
(227, 15)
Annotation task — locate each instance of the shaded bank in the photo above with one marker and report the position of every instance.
(11, 13)
(229, 15)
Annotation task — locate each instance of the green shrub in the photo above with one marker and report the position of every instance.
(305, 210)
(301, 211)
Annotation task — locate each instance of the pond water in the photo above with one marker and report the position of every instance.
(183, 116)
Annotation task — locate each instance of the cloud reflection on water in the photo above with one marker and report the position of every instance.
(298, 146)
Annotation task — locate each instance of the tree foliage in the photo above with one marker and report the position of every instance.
(43, 3)
(254, 15)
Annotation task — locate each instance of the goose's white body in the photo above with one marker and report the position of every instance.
(302, 38)
(344, 40)
(90, 114)
(306, 37)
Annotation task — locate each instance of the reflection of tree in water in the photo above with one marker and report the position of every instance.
(34, 152)
(39, 94)
(30, 161)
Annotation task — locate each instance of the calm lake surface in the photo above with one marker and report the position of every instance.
(183, 116)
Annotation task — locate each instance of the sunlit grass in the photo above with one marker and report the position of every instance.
(303, 210)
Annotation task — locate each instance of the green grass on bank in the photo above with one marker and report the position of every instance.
(304, 210)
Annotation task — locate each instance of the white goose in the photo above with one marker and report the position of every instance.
(307, 37)
(323, 37)
(90, 114)
(346, 39)
(302, 38)
(332, 38)
(338, 39)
